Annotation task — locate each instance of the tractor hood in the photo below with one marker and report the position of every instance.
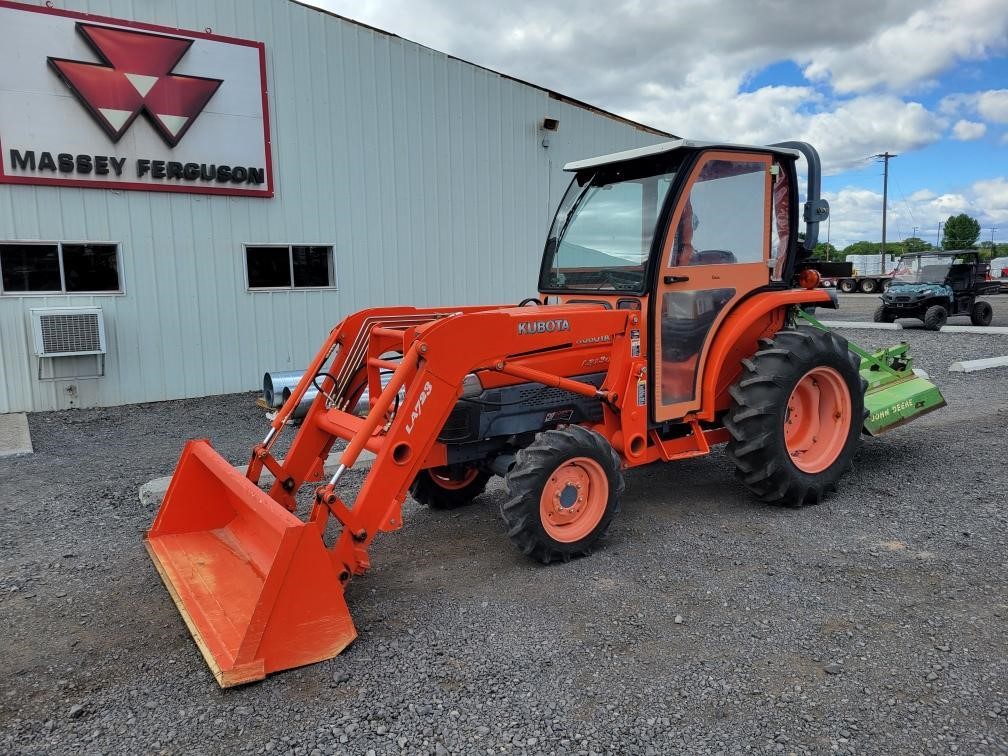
(916, 290)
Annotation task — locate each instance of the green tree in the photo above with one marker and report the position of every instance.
(989, 250)
(915, 244)
(825, 251)
(961, 232)
(862, 248)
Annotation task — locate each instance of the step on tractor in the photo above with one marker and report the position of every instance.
(934, 286)
(674, 313)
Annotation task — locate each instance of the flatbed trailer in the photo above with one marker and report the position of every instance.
(842, 276)
(864, 284)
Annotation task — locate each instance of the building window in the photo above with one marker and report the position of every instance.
(59, 268)
(290, 267)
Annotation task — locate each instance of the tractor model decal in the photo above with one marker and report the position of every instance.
(418, 407)
(594, 340)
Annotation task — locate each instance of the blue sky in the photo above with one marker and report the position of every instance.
(925, 79)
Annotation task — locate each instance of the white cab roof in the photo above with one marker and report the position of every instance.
(663, 147)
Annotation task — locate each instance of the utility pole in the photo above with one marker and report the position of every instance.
(884, 157)
(938, 235)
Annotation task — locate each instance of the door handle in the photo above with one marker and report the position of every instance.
(676, 279)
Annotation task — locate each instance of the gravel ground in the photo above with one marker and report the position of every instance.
(874, 623)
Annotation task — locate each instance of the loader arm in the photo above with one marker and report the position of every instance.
(431, 374)
(254, 582)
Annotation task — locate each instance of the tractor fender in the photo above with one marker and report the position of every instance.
(756, 317)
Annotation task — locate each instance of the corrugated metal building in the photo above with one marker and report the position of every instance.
(426, 176)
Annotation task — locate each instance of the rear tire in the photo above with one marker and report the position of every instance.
(796, 369)
(981, 314)
(447, 488)
(867, 285)
(564, 490)
(882, 315)
(935, 317)
(847, 285)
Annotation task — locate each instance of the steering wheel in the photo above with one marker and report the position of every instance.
(529, 300)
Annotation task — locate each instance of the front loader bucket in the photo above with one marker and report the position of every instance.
(254, 583)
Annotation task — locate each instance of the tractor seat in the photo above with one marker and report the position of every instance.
(959, 276)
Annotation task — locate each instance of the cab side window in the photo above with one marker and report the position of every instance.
(724, 218)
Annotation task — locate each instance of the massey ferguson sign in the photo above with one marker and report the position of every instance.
(97, 102)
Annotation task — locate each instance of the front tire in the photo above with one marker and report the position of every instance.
(448, 488)
(981, 314)
(796, 415)
(564, 491)
(935, 317)
(882, 315)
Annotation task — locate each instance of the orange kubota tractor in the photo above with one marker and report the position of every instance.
(672, 316)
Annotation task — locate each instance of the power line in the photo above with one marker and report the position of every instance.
(903, 195)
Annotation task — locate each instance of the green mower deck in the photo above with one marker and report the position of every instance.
(896, 394)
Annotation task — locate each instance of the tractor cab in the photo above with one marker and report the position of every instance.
(683, 231)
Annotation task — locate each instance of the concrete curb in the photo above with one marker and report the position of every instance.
(971, 366)
(859, 325)
(855, 324)
(984, 330)
(152, 492)
(15, 438)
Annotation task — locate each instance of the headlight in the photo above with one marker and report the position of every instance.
(471, 386)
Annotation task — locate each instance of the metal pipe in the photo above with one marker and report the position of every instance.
(274, 384)
(304, 405)
(278, 386)
(376, 417)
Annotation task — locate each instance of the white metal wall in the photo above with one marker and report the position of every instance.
(425, 173)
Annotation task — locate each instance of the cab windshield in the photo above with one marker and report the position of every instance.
(601, 236)
(914, 269)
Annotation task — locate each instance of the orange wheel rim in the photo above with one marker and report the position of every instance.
(817, 420)
(443, 478)
(574, 500)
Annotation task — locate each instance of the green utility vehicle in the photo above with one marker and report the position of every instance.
(934, 286)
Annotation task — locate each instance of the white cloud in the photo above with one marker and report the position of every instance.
(991, 105)
(915, 43)
(680, 67)
(992, 196)
(864, 126)
(856, 213)
(967, 130)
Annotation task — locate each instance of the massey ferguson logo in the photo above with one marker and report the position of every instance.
(542, 326)
(136, 77)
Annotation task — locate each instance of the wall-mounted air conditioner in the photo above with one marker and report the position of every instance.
(69, 332)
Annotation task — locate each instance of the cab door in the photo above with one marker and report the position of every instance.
(716, 251)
